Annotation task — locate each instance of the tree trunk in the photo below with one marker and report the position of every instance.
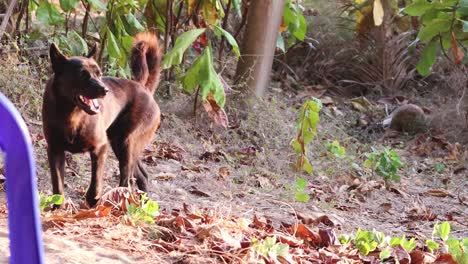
(259, 44)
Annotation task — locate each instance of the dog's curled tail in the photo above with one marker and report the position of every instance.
(145, 60)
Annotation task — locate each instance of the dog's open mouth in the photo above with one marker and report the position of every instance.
(91, 106)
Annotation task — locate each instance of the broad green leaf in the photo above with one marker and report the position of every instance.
(237, 6)
(77, 44)
(151, 207)
(301, 196)
(433, 29)
(301, 183)
(203, 74)
(301, 31)
(47, 13)
(97, 4)
(409, 245)
(395, 241)
(135, 25)
(174, 56)
(443, 230)
(307, 167)
(56, 199)
(112, 46)
(417, 8)
(68, 5)
(432, 245)
(385, 253)
(230, 39)
(428, 58)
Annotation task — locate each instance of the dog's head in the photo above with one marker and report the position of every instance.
(79, 79)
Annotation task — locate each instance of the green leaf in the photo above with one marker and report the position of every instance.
(135, 25)
(47, 13)
(68, 5)
(151, 207)
(174, 56)
(230, 39)
(77, 44)
(428, 58)
(203, 74)
(385, 253)
(409, 245)
(112, 46)
(97, 4)
(237, 6)
(302, 29)
(307, 167)
(56, 199)
(301, 196)
(432, 245)
(443, 230)
(417, 8)
(395, 241)
(432, 29)
(301, 183)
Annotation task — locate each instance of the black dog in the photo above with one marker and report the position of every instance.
(83, 112)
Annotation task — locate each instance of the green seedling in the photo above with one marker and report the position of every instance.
(306, 132)
(269, 247)
(48, 200)
(300, 194)
(336, 149)
(145, 212)
(385, 163)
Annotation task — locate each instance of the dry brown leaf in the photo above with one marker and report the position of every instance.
(438, 193)
(164, 176)
(420, 257)
(457, 53)
(215, 112)
(223, 173)
(99, 211)
(445, 259)
(117, 199)
(305, 233)
(196, 191)
(195, 168)
(324, 220)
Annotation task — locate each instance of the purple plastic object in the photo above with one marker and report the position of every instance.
(20, 171)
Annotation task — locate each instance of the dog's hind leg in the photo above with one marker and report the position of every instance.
(141, 175)
(98, 158)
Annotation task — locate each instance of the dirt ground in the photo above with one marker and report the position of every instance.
(246, 170)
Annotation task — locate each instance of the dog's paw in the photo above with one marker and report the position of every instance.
(91, 200)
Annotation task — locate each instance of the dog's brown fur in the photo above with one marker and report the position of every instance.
(127, 116)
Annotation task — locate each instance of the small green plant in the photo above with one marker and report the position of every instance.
(300, 194)
(385, 163)
(145, 212)
(408, 245)
(306, 131)
(48, 200)
(457, 248)
(336, 149)
(269, 247)
(368, 241)
(439, 167)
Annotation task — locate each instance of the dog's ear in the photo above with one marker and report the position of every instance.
(92, 52)
(56, 58)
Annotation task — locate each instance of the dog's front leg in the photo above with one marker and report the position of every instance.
(57, 169)
(98, 160)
